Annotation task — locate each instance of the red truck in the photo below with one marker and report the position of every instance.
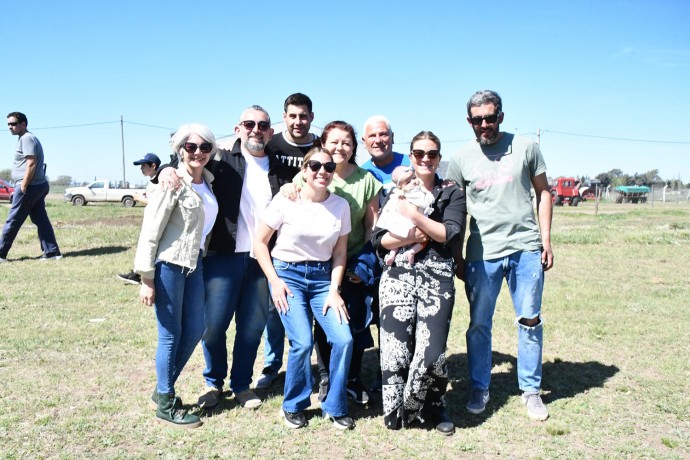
(566, 190)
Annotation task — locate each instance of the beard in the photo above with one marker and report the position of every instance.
(487, 140)
(255, 145)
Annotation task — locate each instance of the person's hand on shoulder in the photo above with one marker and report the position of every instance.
(290, 191)
(169, 178)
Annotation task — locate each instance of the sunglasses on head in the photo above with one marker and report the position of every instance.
(316, 166)
(190, 147)
(488, 118)
(250, 124)
(431, 154)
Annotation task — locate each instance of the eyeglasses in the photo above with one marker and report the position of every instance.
(250, 124)
(316, 166)
(12, 123)
(191, 147)
(488, 118)
(420, 154)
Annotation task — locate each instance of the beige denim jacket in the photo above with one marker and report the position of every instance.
(172, 227)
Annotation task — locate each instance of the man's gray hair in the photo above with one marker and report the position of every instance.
(256, 107)
(376, 119)
(484, 97)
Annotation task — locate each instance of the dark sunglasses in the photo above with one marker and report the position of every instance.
(488, 118)
(249, 124)
(12, 123)
(316, 166)
(431, 154)
(190, 147)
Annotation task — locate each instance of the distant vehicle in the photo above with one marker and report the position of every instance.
(590, 189)
(102, 190)
(632, 193)
(6, 191)
(566, 190)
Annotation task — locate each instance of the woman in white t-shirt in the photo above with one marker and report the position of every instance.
(305, 274)
(172, 242)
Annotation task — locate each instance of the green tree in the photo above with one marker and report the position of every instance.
(6, 174)
(652, 177)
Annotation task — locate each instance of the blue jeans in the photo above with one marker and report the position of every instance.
(309, 283)
(235, 286)
(274, 340)
(483, 279)
(179, 305)
(30, 204)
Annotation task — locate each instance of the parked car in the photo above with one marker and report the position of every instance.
(102, 190)
(6, 191)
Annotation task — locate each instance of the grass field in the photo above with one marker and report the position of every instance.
(76, 355)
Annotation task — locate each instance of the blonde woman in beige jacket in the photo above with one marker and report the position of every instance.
(169, 259)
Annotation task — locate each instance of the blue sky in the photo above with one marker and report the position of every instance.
(596, 78)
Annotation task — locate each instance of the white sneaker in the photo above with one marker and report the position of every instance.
(536, 409)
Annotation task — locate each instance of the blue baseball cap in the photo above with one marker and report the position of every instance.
(149, 158)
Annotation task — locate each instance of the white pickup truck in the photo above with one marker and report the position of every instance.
(102, 190)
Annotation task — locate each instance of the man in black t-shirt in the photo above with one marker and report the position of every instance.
(291, 145)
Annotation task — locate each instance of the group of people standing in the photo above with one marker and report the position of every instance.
(280, 232)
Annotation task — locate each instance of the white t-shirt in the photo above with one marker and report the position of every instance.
(210, 208)
(307, 231)
(256, 195)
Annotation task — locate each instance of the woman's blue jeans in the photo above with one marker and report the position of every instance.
(179, 305)
(483, 280)
(309, 283)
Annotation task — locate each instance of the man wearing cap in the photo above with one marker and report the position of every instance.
(149, 165)
(30, 191)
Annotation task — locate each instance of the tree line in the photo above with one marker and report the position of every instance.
(6, 175)
(617, 177)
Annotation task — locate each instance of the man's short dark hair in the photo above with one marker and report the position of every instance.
(21, 118)
(297, 99)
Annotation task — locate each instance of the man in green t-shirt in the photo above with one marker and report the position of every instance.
(498, 170)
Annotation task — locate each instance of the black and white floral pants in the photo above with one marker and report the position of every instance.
(416, 306)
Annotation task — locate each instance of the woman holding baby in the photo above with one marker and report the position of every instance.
(417, 294)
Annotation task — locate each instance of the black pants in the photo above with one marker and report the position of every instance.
(416, 307)
(355, 295)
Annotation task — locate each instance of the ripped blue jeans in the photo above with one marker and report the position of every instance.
(483, 280)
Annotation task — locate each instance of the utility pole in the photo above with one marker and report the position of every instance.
(122, 136)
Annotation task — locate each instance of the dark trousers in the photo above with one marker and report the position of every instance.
(416, 307)
(30, 204)
(354, 295)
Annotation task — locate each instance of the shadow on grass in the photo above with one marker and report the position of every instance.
(102, 251)
(562, 379)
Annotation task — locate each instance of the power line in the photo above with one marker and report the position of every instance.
(592, 136)
(79, 126)
(150, 126)
(615, 138)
